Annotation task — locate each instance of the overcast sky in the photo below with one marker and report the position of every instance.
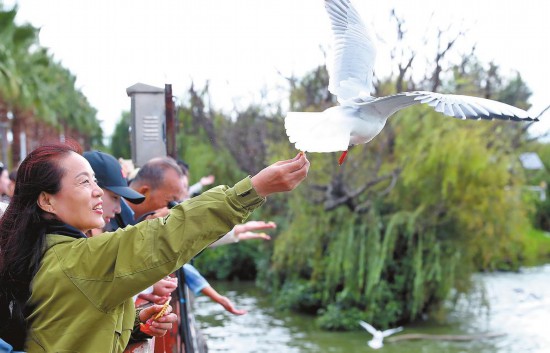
(243, 46)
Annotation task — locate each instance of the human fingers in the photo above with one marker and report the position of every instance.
(157, 311)
(238, 311)
(150, 297)
(208, 180)
(257, 225)
(169, 285)
(283, 178)
(161, 290)
(157, 332)
(230, 308)
(166, 321)
(298, 163)
(279, 163)
(149, 312)
(162, 299)
(163, 324)
(252, 235)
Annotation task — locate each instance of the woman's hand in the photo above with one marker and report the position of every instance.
(157, 327)
(281, 176)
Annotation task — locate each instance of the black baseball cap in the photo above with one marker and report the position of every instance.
(108, 173)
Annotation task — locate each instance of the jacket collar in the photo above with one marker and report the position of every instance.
(61, 228)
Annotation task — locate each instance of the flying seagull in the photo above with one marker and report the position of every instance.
(360, 116)
(378, 336)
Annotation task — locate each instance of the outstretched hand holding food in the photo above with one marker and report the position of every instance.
(281, 176)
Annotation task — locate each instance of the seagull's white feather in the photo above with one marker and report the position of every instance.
(354, 52)
(360, 117)
(318, 132)
(368, 327)
(391, 331)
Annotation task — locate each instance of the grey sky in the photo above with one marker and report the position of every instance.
(240, 46)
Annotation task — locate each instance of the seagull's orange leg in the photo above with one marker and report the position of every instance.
(342, 157)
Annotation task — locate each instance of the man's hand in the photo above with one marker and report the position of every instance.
(281, 176)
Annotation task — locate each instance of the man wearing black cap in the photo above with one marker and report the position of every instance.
(161, 181)
(108, 173)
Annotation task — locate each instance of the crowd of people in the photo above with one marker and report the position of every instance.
(89, 245)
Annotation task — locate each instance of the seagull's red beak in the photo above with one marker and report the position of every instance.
(342, 157)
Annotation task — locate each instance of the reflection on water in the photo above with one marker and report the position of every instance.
(518, 306)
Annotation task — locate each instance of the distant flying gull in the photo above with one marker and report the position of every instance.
(360, 117)
(377, 335)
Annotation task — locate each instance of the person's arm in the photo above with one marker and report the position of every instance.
(223, 301)
(198, 284)
(136, 257)
(196, 188)
(245, 231)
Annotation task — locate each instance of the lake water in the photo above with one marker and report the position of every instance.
(517, 305)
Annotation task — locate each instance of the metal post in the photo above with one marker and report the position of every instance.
(171, 148)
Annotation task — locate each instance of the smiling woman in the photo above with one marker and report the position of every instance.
(42, 242)
(78, 202)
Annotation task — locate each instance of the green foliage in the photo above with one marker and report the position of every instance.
(204, 157)
(460, 173)
(537, 247)
(300, 296)
(335, 318)
(120, 141)
(231, 261)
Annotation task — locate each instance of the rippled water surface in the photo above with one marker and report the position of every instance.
(517, 306)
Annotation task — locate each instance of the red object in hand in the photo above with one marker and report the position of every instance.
(146, 327)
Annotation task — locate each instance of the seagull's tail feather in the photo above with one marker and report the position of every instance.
(317, 132)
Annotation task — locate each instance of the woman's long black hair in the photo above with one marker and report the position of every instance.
(22, 236)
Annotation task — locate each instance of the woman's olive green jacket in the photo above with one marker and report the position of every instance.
(81, 297)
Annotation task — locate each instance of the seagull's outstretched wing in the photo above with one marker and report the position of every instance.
(368, 327)
(352, 65)
(463, 107)
(391, 331)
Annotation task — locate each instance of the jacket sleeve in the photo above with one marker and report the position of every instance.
(112, 267)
